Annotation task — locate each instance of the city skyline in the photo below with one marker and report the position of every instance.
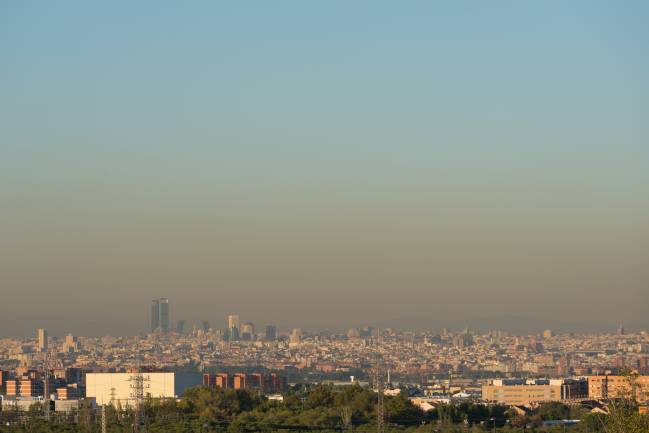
(141, 323)
(231, 327)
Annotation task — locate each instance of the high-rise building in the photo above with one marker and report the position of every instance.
(160, 315)
(233, 327)
(42, 340)
(155, 315)
(206, 325)
(180, 326)
(70, 344)
(247, 331)
(164, 315)
(296, 337)
(233, 321)
(271, 332)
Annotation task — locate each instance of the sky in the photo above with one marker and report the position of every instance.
(324, 164)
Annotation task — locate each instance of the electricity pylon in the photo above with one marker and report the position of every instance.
(378, 380)
(103, 419)
(46, 386)
(138, 384)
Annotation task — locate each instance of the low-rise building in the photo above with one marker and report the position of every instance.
(119, 388)
(521, 392)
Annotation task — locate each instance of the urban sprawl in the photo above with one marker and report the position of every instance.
(430, 368)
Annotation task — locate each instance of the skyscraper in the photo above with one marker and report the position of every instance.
(70, 344)
(155, 315)
(42, 340)
(271, 332)
(160, 315)
(164, 315)
(233, 327)
(247, 331)
(233, 321)
(296, 337)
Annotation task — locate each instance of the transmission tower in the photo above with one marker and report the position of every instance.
(378, 380)
(113, 393)
(103, 418)
(138, 384)
(450, 381)
(46, 386)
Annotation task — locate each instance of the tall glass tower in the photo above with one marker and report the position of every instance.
(164, 315)
(155, 315)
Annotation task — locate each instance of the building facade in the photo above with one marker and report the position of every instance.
(521, 392)
(160, 315)
(266, 383)
(164, 315)
(271, 332)
(155, 315)
(42, 340)
(602, 387)
(117, 388)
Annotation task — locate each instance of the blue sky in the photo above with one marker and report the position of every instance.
(437, 124)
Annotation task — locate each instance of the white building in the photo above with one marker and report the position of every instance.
(118, 388)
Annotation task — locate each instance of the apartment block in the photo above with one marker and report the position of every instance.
(526, 392)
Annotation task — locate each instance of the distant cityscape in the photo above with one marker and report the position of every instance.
(491, 367)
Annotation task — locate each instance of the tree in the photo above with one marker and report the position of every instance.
(320, 396)
(553, 411)
(400, 410)
(346, 417)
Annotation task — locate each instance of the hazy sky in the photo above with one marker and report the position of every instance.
(324, 163)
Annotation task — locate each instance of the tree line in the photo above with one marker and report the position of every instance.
(315, 408)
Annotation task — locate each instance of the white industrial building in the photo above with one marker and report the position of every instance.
(118, 388)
